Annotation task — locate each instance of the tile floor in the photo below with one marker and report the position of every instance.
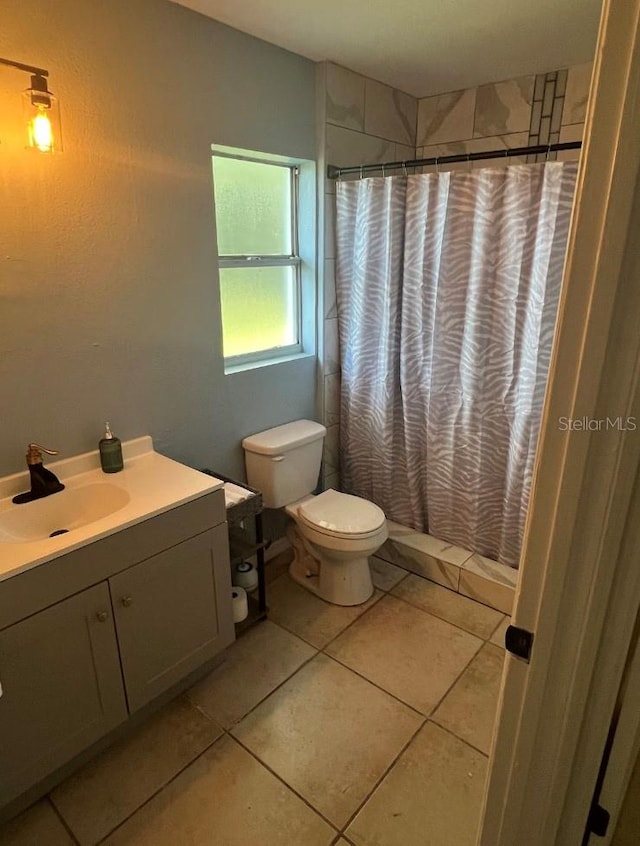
(368, 726)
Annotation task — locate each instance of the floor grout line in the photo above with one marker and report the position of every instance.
(444, 619)
(397, 698)
(342, 631)
(63, 822)
(504, 617)
(454, 683)
(384, 775)
(163, 786)
(266, 696)
(377, 686)
(457, 737)
(282, 781)
(297, 634)
(356, 619)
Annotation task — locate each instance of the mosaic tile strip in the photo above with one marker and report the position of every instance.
(546, 112)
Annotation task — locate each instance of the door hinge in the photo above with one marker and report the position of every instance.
(598, 821)
(519, 642)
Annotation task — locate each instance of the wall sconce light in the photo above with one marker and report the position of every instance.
(41, 110)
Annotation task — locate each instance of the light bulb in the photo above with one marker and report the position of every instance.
(41, 132)
(42, 117)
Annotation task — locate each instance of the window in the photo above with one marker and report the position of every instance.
(256, 205)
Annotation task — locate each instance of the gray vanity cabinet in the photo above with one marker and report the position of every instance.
(171, 616)
(61, 687)
(92, 636)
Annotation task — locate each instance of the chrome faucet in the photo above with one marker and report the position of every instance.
(43, 481)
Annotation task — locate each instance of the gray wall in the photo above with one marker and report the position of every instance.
(109, 304)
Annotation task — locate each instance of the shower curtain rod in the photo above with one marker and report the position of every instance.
(540, 149)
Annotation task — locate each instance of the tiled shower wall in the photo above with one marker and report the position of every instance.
(362, 121)
(519, 112)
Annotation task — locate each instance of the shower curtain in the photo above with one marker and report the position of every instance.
(447, 287)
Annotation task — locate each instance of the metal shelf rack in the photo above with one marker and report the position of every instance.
(244, 543)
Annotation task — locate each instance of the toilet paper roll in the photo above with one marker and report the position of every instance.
(245, 575)
(240, 604)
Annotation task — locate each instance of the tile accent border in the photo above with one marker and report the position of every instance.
(546, 111)
(451, 566)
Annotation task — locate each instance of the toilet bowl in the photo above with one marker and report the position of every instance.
(332, 534)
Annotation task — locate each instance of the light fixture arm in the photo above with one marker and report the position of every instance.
(27, 68)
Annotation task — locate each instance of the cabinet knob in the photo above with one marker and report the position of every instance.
(126, 601)
(102, 616)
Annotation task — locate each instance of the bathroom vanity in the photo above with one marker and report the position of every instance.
(101, 625)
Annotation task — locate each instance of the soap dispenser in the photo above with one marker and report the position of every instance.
(110, 452)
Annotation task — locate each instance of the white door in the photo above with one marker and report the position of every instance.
(621, 754)
(579, 589)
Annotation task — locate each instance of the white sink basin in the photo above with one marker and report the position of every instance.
(61, 512)
(92, 505)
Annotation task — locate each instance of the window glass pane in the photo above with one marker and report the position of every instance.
(259, 309)
(253, 208)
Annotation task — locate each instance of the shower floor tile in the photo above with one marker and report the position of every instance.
(338, 726)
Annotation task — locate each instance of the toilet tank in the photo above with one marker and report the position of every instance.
(283, 463)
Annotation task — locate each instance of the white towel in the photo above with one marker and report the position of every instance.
(233, 494)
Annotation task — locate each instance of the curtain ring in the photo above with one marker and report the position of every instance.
(404, 168)
(548, 151)
(468, 162)
(437, 168)
(361, 171)
(383, 174)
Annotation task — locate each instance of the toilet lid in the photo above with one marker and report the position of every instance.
(341, 514)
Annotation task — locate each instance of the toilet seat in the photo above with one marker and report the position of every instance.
(341, 515)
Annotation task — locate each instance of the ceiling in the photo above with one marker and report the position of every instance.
(422, 47)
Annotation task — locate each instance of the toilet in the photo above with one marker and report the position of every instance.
(332, 534)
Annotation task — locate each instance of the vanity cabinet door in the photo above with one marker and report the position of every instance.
(173, 613)
(61, 687)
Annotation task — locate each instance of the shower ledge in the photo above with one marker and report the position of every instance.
(451, 566)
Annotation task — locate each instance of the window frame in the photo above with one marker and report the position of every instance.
(293, 260)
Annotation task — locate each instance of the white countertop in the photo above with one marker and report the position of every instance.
(154, 484)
